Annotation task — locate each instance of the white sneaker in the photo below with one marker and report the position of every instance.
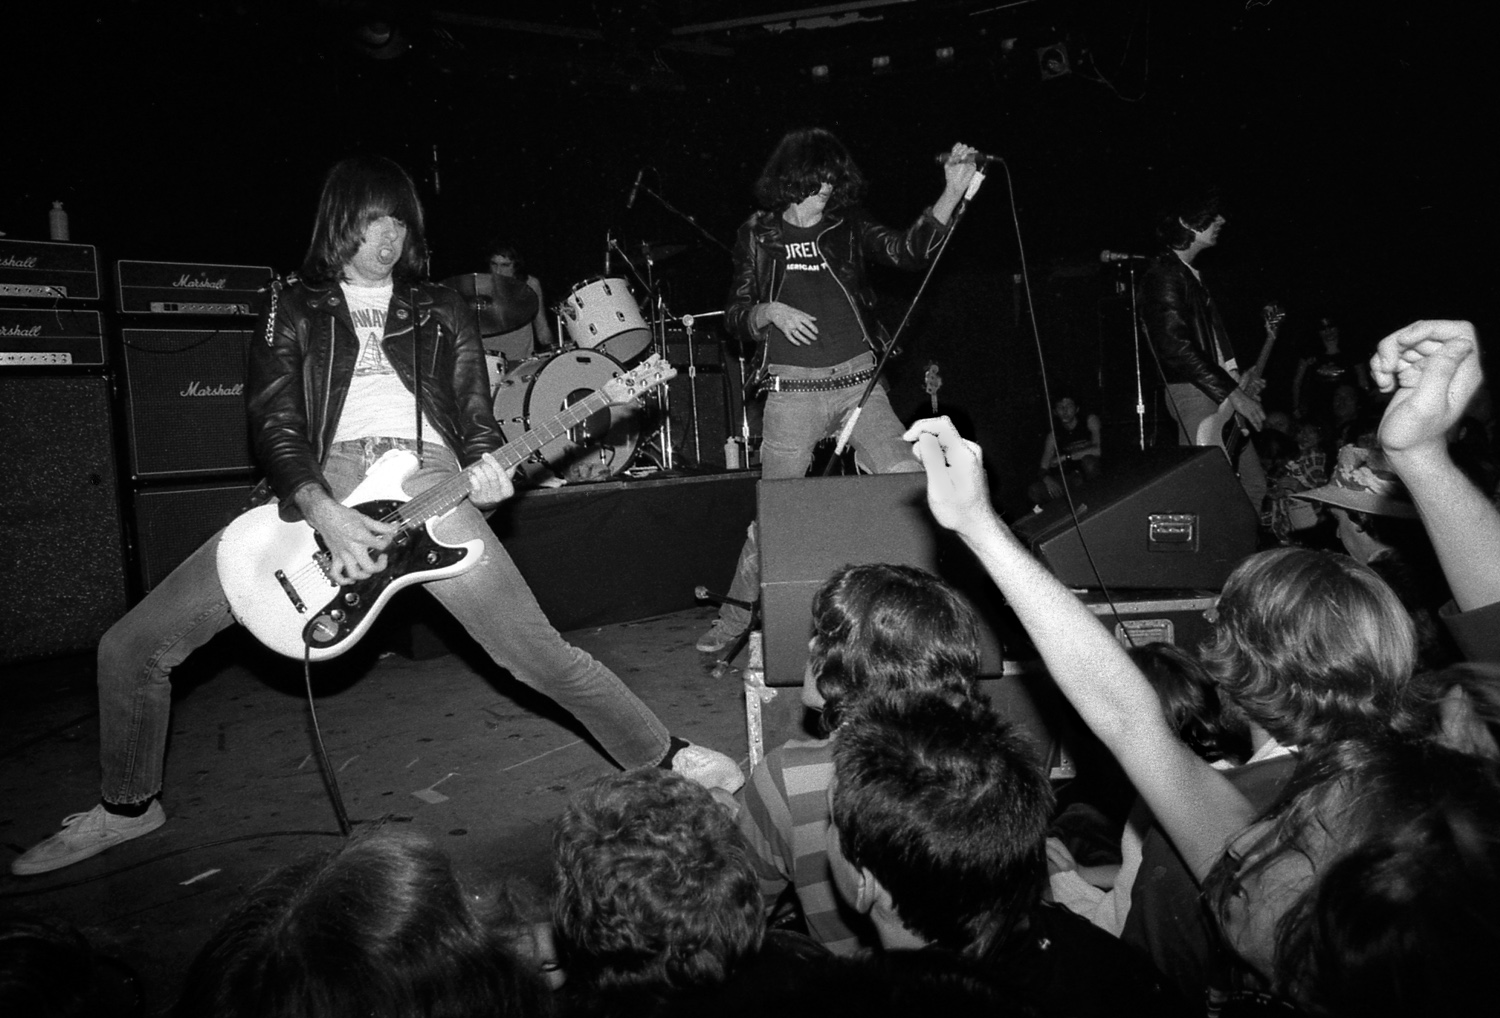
(720, 635)
(84, 835)
(708, 767)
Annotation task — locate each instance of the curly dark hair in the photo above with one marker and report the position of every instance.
(802, 162)
(880, 627)
(946, 804)
(1311, 646)
(356, 192)
(655, 888)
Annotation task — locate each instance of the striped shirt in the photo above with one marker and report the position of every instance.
(784, 816)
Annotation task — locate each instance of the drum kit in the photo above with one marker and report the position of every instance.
(607, 332)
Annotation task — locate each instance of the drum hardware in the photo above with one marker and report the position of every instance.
(500, 303)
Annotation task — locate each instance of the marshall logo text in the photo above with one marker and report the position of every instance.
(201, 283)
(16, 330)
(199, 389)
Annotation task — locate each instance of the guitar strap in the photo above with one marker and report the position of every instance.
(416, 353)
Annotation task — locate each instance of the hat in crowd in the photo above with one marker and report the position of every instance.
(1364, 481)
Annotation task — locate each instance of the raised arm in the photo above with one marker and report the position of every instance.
(1433, 369)
(1196, 805)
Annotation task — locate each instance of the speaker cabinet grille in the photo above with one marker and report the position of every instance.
(61, 548)
(171, 523)
(185, 401)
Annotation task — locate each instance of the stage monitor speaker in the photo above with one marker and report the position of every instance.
(172, 522)
(185, 401)
(1173, 519)
(810, 527)
(713, 419)
(61, 542)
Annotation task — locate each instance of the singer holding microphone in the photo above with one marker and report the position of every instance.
(799, 290)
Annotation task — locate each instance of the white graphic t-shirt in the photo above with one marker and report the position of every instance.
(379, 405)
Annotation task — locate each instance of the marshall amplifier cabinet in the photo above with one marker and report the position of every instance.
(45, 270)
(171, 523)
(59, 336)
(183, 288)
(185, 401)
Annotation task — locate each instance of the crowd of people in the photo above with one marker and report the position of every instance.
(1313, 823)
(1316, 831)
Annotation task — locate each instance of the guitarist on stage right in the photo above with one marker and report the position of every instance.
(1192, 347)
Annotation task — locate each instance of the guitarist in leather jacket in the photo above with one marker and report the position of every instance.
(333, 372)
(1193, 350)
(800, 291)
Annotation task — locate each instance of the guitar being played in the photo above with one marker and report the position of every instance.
(1193, 349)
(285, 585)
(1227, 427)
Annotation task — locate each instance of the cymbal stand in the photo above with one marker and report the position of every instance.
(656, 324)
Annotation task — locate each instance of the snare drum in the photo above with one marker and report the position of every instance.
(536, 390)
(603, 314)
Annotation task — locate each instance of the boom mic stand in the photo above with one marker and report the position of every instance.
(885, 355)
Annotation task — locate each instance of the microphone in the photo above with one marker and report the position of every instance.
(980, 159)
(635, 188)
(1106, 256)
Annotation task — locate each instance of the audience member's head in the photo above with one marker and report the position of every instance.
(887, 627)
(940, 814)
(1311, 647)
(381, 927)
(1405, 836)
(655, 887)
(1190, 701)
(48, 969)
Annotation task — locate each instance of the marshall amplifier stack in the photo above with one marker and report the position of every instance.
(62, 549)
(184, 337)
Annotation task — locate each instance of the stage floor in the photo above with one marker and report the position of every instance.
(492, 761)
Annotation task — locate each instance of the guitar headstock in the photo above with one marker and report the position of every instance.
(1273, 314)
(642, 378)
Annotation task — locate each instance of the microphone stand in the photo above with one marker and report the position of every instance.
(1135, 328)
(885, 355)
(686, 218)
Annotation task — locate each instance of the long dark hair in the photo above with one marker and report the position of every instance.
(801, 163)
(356, 192)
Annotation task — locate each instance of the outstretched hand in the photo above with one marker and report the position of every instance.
(957, 490)
(1433, 369)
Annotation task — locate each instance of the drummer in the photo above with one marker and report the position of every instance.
(533, 337)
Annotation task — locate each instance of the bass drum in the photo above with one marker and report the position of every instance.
(602, 314)
(536, 390)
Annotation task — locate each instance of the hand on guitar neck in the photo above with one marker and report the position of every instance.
(1241, 409)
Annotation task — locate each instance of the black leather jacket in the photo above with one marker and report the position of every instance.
(302, 359)
(847, 239)
(1181, 321)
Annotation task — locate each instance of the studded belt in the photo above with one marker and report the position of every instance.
(776, 383)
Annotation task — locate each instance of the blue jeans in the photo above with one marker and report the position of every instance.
(492, 601)
(1190, 406)
(794, 423)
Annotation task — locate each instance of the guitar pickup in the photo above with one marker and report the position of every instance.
(291, 592)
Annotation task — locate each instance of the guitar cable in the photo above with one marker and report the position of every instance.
(330, 779)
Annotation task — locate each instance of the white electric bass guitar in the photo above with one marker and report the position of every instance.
(275, 573)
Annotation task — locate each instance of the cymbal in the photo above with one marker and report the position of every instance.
(500, 303)
(655, 252)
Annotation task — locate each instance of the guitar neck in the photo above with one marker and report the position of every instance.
(442, 497)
